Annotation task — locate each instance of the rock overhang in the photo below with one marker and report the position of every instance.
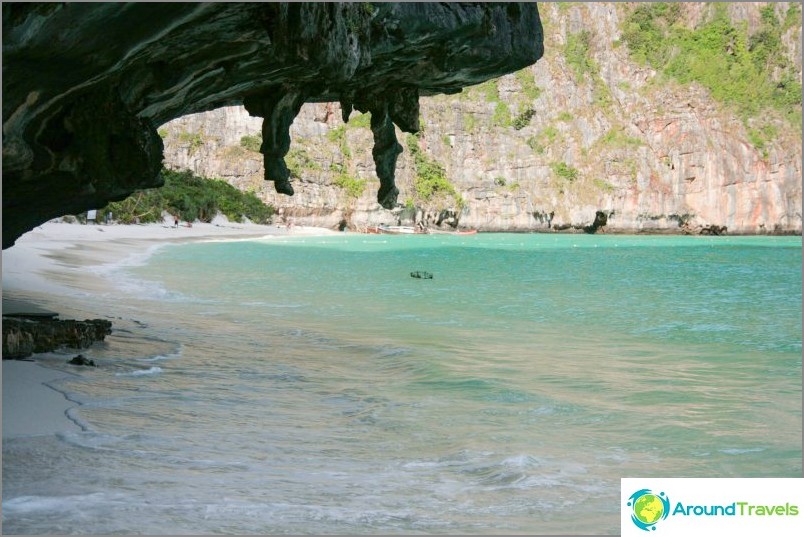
(86, 85)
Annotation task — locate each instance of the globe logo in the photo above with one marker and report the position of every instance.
(648, 508)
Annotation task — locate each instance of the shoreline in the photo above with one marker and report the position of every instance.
(31, 407)
(60, 267)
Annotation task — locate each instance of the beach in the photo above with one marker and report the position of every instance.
(260, 380)
(59, 267)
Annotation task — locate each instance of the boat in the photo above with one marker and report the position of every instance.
(399, 230)
(460, 232)
(414, 230)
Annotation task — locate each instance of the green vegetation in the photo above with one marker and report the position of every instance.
(548, 135)
(192, 198)
(604, 185)
(360, 120)
(563, 7)
(499, 181)
(523, 120)
(251, 142)
(526, 82)
(722, 57)
(338, 135)
(564, 116)
(469, 122)
(564, 171)
(618, 139)
(163, 133)
(193, 139)
(760, 137)
(353, 186)
(490, 90)
(235, 152)
(576, 51)
(536, 145)
(602, 93)
(502, 115)
(431, 178)
(792, 17)
(297, 160)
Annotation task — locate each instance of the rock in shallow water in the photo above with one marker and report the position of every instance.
(23, 337)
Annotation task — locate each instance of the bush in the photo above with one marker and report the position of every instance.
(338, 135)
(361, 120)
(502, 115)
(194, 140)
(576, 52)
(297, 160)
(251, 142)
(564, 171)
(528, 85)
(616, 138)
(523, 120)
(431, 178)
(353, 186)
(192, 198)
(732, 65)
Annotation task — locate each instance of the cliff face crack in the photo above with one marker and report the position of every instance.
(87, 84)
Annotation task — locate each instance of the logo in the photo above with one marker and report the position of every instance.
(648, 508)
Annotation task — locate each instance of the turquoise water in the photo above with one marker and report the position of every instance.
(310, 385)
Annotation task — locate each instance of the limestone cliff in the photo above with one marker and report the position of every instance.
(549, 147)
(86, 84)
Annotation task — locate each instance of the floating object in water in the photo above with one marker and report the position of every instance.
(421, 275)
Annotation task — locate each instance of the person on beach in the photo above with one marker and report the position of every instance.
(175, 220)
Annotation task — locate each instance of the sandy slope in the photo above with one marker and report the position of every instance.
(58, 266)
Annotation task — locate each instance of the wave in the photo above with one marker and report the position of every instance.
(30, 504)
(170, 356)
(155, 370)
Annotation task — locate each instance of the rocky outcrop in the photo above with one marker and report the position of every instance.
(541, 149)
(87, 84)
(23, 337)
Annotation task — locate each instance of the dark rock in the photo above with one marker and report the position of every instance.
(601, 219)
(713, 230)
(23, 337)
(82, 360)
(89, 83)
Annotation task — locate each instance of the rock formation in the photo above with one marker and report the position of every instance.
(23, 337)
(542, 149)
(85, 85)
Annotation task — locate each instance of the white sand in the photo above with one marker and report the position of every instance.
(56, 266)
(43, 259)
